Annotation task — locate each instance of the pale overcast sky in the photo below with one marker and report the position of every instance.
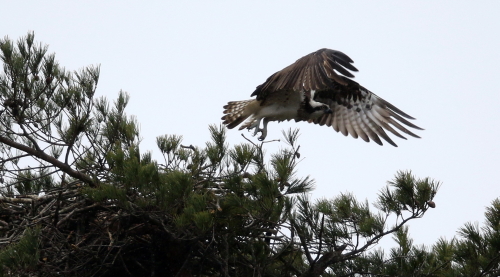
(181, 62)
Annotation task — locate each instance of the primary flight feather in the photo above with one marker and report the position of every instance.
(317, 89)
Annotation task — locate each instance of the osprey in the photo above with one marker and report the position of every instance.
(316, 89)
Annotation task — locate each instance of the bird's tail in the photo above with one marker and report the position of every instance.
(237, 111)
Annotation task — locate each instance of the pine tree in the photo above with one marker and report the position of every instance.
(78, 198)
(474, 252)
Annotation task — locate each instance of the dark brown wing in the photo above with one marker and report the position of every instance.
(360, 112)
(316, 71)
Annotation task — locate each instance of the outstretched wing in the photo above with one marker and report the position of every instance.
(316, 71)
(356, 110)
(361, 113)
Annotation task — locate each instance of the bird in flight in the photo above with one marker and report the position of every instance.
(317, 88)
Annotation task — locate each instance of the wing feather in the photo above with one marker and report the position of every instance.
(317, 71)
(335, 119)
(342, 122)
(404, 121)
(361, 113)
(359, 126)
(349, 124)
(381, 122)
(372, 130)
(403, 129)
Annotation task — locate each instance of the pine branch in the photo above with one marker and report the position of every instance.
(40, 154)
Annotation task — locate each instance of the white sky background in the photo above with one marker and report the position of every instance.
(181, 62)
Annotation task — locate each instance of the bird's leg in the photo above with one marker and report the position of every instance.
(264, 129)
(255, 126)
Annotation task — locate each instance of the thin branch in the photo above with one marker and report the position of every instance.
(42, 155)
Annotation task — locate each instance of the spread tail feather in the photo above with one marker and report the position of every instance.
(236, 112)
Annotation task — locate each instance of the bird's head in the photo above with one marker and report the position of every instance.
(314, 108)
(322, 108)
(326, 109)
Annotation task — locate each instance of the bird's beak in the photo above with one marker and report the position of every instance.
(328, 111)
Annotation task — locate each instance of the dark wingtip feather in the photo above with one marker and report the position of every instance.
(379, 143)
(234, 123)
(389, 140)
(344, 60)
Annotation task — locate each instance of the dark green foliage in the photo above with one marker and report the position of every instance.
(475, 252)
(409, 194)
(23, 255)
